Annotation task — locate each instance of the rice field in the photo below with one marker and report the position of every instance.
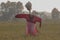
(16, 31)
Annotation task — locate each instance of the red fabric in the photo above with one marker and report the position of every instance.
(21, 15)
(26, 16)
(31, 27)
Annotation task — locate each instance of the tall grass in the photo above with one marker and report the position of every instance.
(16, 31)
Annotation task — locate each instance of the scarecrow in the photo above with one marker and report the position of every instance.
(31, 20)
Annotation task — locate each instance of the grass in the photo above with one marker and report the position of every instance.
(16, 31)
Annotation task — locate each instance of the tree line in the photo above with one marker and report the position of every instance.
(10, 9)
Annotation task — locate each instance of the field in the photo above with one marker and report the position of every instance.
(16, 31)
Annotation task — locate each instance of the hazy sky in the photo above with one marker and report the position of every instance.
(40, 5)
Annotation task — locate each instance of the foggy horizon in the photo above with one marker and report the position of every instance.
(39, 5)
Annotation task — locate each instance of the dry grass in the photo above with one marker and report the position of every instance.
(15, 31)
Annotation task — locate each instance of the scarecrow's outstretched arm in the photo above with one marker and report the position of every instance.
(40, 23)
(39, 20)
(21, 16)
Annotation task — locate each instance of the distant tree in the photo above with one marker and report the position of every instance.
(9, 10)
(35, 12)
(19, 7)
(13, 4)
(55, 14)
(2, 4)
(8, 4)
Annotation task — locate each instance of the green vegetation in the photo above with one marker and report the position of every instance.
(16, 31)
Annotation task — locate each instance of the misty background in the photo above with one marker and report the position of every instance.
(9, 9)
